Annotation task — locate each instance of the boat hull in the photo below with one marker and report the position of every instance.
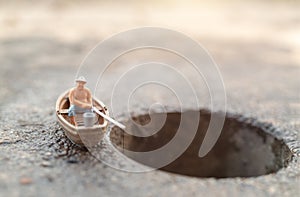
(83, 136)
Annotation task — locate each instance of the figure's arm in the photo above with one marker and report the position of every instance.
(72, 99)
(89, 97)
(71, 96)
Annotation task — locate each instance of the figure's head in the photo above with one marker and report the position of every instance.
(80, 82)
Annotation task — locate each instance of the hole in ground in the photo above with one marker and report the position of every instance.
(242, 150)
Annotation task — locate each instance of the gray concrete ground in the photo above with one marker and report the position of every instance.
(261, 75)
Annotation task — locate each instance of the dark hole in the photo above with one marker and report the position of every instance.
(242, 150)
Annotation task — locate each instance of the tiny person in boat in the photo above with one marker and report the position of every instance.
(80, 99)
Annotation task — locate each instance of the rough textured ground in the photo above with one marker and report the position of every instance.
(261, 75)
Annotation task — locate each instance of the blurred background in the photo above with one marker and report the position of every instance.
(239, 34)
(247, 22)
(72, 20)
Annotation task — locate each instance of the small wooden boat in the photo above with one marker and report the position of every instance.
(81, 135)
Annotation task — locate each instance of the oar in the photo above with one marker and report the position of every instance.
(109, 118)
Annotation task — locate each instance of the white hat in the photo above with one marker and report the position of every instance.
(81, 78)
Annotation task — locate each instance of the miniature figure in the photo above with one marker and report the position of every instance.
(80, 99)
(76, 104)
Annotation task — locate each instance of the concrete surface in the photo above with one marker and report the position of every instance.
(36, 159)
